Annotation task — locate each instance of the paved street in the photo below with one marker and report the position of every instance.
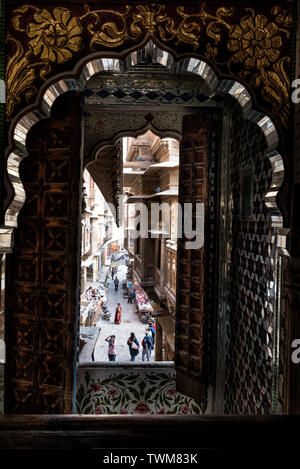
(130, 323)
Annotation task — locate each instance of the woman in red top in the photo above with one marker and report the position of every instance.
(118, 314)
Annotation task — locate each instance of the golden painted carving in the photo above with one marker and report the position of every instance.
(189, 29)
(21, 75)
(149, 16)
(52, 37)
(109, 35)
(56, 36)
(255, 43)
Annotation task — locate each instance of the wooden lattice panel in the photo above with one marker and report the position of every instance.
(42, 273)
(193, 264)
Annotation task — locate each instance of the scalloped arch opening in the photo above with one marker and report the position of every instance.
(49, 94)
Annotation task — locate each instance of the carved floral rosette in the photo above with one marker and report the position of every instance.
(249, 45)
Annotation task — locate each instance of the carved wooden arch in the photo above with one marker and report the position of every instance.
(104, 161)
(193, 65)
(212, 34)
(170, 132)
(50, 91)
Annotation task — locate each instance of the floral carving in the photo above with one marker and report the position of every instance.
(256, 45)
(255, 42)
(56, 36)
(283, 18)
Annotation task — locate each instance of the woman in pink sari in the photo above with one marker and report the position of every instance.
(118, 314)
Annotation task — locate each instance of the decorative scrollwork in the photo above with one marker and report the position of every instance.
(250, 46)
(21, 75)
(109, 34)
(189, 29)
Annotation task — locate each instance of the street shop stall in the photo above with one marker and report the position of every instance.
(92, 306)
(143, 304)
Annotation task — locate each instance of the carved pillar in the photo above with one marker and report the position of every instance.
(192, 264)
(163, 262)
(43, 271)
(83, 279)
(158, 341)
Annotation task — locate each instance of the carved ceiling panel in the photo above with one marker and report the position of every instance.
(103, 127)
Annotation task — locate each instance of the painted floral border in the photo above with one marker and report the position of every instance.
(133, 393)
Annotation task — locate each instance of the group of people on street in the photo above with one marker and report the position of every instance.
(133, 344)
(92, 293)
(97, 299)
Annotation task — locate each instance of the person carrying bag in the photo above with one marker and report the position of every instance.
(134, 346)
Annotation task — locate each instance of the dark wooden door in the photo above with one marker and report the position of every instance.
(43, 271)
(194, 310)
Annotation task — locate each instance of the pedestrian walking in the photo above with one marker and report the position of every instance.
(112, 273)
(118, 314)
(90, 317)
(151, 329)
(111, 339)
(131, 296)
(147, 346)
(116, 282)
(133, 345)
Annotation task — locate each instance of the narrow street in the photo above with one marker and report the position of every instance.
(129, 323)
